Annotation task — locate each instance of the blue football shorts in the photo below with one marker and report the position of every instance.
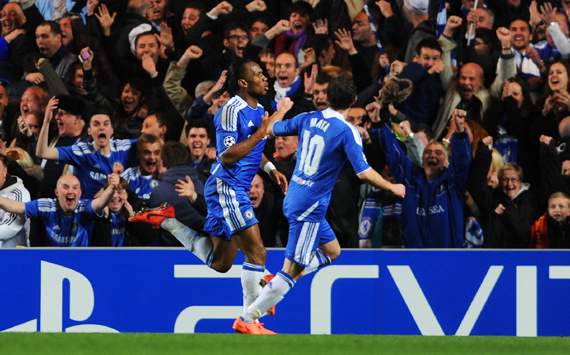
(305, 237)
(229, 210)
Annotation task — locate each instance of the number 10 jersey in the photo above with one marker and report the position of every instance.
(326, 141)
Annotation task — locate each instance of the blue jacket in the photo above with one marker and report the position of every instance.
(432, 211)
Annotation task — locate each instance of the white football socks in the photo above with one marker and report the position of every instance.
(201, 246)
(318, 260)
(270, 295)
(251, 274)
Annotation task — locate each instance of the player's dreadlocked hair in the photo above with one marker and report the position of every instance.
(236, 71)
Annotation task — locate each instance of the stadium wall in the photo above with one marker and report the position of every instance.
(429, 292)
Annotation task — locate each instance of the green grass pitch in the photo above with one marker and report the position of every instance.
(235, 344)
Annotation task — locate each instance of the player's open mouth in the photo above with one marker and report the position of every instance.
(102, 136)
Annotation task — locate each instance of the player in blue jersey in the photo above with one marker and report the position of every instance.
(241, 127)
(326, 141)
(67, 218)
(93, 161)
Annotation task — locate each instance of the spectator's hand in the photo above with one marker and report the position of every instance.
(284, 105)
(87, 63)
(35, 78)
(364, 134)
(373, 111)
(488, 141)
(544, 139)
(453, 23)
(105, 19)
(2, 147)
(393, 110)
(277, 29)
(256, 5)
(219, 84)
(280, 180)
(185, 188)
(535, 16)
(40, 62)
(309, 57)
(309, 79)
(562, 97)
(406, 127)
(142, 112)
(23, 127)
(399, 190)
(118, 168)
(548, 12)
(344, 40)
(548, 103)
(535, 57)
(385, 8)
(437, 67)
(472, 16)
(321, 27)
(148, 65)
(500, 209)
(128, 207)
(396, 67)
(14, 34)
(51, 106)
(211, 153)
(166, 38)
(504, 36)
(114, 180)
(91, 5)
(566, 168)
(459, 118)
(191, 53)
(223, 8)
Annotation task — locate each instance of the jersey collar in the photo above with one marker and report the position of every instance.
(330, 113)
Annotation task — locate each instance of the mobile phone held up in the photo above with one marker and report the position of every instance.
(83, 56)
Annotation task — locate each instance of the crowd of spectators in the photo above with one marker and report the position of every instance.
(106, 104)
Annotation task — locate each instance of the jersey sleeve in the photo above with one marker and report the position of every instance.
(32, 210)
(228, 128)
(289, 127)
(72, 154)
(354, 151)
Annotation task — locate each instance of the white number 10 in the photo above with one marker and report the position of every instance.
(311, 153)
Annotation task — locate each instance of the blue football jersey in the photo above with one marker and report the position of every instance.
(235, 122)
(63, 230)
(140, 185)
(92, 167)
(118, 223)
(326, 141)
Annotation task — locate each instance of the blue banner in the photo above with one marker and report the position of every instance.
(452, 292)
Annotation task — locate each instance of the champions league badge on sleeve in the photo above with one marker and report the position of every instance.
(229, 141)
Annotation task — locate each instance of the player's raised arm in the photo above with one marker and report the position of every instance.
(42, 147)
(283, 106)
(12, 206)
(240, 150)
(372, 177)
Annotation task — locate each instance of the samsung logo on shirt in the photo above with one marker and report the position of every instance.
(436, 209)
